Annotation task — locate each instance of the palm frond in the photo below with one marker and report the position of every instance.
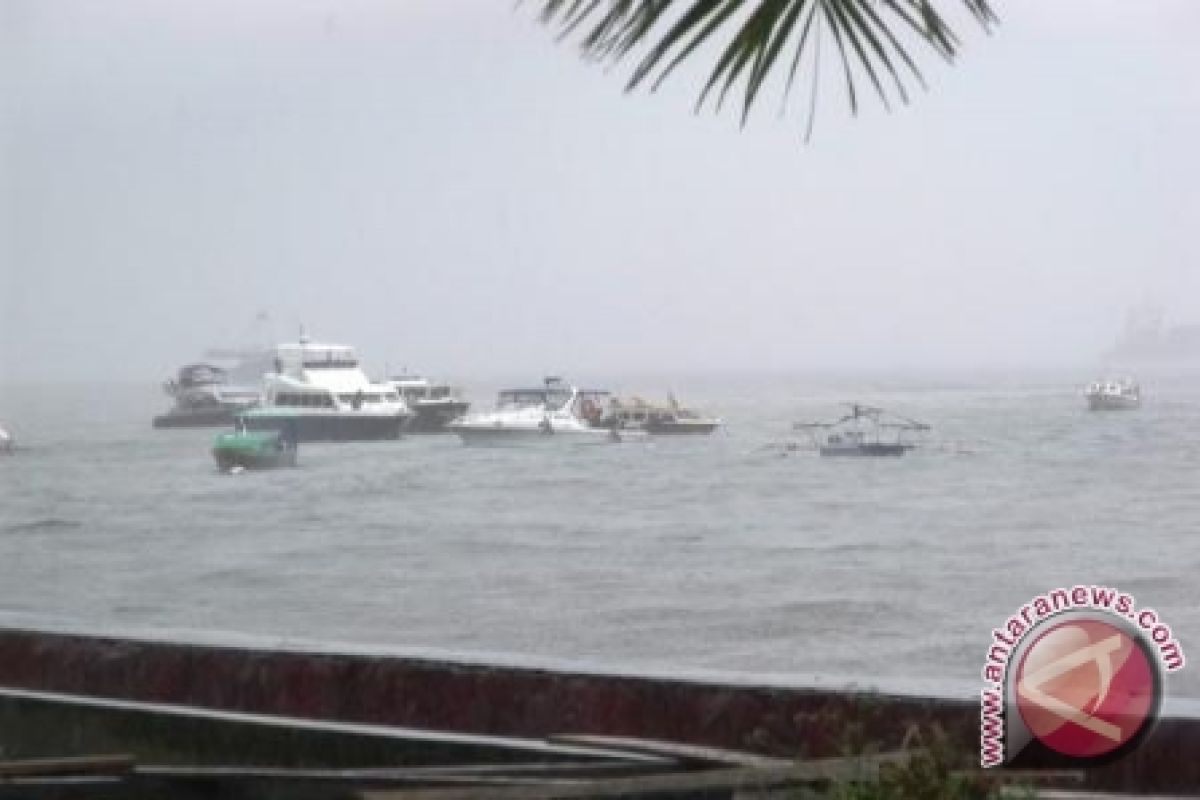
(873, 38)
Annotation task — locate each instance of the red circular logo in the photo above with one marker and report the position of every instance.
(1086, 687)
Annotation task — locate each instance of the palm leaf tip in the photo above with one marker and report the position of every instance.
(874, 39)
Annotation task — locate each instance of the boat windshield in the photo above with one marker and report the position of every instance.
(318, 356)
(527, 398)
(590, 403)
(200, 375)
(331, 361)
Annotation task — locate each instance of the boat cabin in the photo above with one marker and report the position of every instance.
(315, 376)
(292, 358)
(414, 388)
(586, 403)
(194, 375)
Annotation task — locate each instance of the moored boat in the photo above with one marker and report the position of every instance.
(556, 413)
(657, 419)
(1113, 394)
(433, 405)
(320, 392)
(863, 432)
(243, 449)
(207, 395)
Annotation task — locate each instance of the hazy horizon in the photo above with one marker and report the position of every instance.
(449, 189)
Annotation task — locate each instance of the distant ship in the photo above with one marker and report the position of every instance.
(1148, 341)
(1113, 394)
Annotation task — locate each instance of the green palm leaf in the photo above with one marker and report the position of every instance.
(872, 37)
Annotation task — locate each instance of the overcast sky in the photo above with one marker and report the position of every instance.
(445, 186)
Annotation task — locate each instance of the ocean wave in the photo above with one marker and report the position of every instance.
(39, 525)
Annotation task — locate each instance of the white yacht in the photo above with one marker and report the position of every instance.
(211, 394)
(319, 393)
(433, 405)
(1113, 394)
(555, 413)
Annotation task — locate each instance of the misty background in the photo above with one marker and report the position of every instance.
(445, 186)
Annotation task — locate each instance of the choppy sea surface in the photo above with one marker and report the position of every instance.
(724, 554)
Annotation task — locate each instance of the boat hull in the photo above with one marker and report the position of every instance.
(253, 450)
(681, 428)
(435, 417)
(1111, 403)
(329, 428)
(208, 418)
(868, 450)
(509, 436)
(229, 461)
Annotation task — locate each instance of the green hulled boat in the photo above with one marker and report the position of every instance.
(254, 450)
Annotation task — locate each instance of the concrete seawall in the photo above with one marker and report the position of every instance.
(519, 701)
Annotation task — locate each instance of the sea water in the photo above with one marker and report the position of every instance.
(731, 554)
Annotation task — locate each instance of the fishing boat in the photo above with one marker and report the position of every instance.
(244, 449)
(433, 405)
(1113, 394)
(636, 414)
(320, 392)
(865, 431)
(557, 412)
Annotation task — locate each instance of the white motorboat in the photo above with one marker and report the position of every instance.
(1113, 394)
(555, 413)
(433, 405)
(6, 441)
(319, 393)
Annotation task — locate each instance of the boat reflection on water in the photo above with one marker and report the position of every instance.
(865, 431)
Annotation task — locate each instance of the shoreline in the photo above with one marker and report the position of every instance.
(478, 698)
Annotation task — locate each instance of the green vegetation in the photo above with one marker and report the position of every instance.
(874, 39)
(937, 769)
